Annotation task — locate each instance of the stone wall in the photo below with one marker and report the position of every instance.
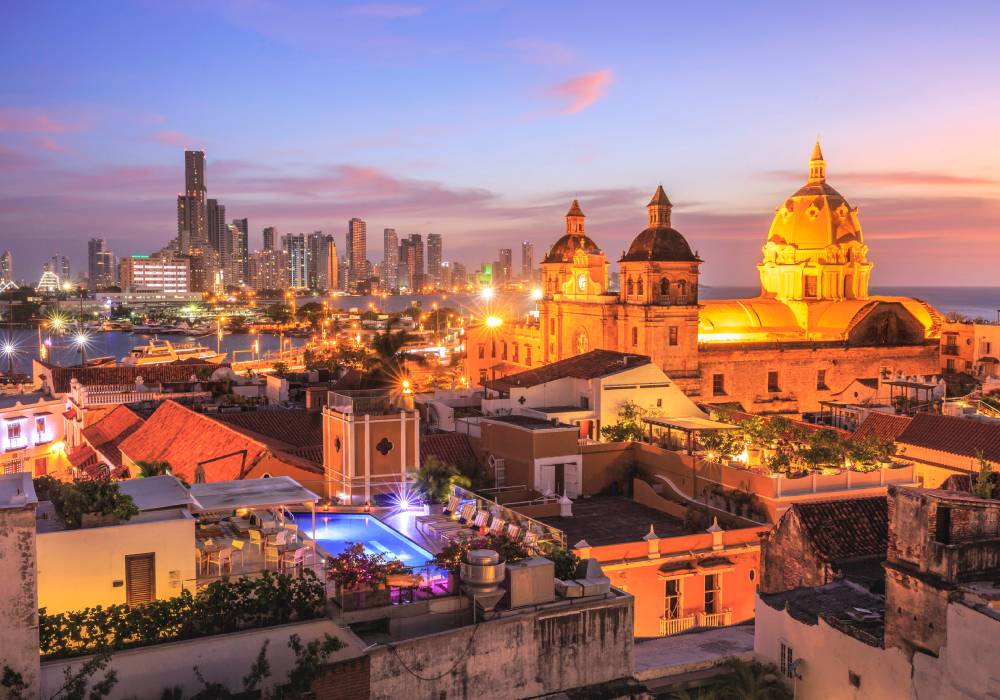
(788, 560)
(745, 370)
(19, 592)
(528, 654)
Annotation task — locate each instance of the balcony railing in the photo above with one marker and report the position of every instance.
(375, 402)
(719, 619)
(949, 350)
(676, 625)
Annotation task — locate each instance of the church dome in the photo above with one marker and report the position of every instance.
(659, 242)
(575, 238)
(816, 216)
(565, 248)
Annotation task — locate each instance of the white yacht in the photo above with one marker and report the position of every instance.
(159, 352)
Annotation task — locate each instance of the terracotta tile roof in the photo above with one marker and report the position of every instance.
(313, 454)
(185, 439)
(107, 434)
(286, 428)
(589, 365)
(451, 448)
(958, 436)
(845, 528)
(126, 374)
(885, 426)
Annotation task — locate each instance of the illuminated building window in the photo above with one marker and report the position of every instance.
(482, 376)
(630, 287)
(638, 286)
(772, 382)
(672, 335)
(14, 431)
(713, 593)
(635, 336)
(810, 286)
(821, 379)
(672, 599)
(718, 385)
(41, 466)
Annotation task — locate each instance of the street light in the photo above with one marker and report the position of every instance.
(487, 294)
(493, 321)
(9, 350)
(81, 340)
(537, 294)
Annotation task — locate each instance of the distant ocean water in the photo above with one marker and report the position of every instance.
(975, 302)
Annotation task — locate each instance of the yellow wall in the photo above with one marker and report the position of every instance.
(77, 568)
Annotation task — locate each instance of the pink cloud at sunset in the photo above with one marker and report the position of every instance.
(580, 93)
(169, 137)
(30, 121)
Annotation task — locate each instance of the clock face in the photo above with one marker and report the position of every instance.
(581, 282)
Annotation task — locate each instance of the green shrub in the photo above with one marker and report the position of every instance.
(74, 499)
(226, 605)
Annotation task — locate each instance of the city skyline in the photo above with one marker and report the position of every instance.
(727, 131)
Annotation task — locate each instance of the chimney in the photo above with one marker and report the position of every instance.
(653, 542)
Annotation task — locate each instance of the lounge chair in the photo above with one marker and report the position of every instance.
(530, 539)
(497, 526)
(465, 520)
(514, 532)
(447, 513)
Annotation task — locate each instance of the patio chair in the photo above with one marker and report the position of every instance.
(224, 557)
(256, 540)
(271, 554)
(238, 546)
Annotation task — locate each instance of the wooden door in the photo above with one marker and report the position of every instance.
(140, 578)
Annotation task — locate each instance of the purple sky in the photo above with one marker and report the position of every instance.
(481, 120)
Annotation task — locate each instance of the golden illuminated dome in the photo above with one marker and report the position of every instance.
(575, 238)
(659, 242)
(817, 215)
(815, 249)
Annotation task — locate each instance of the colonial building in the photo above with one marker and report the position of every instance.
(813, 329)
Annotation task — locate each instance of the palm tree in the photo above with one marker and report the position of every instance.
(153, 468)
(750, 680)
(435, 478)
(385, 365)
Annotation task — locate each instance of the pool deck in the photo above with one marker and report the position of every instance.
(405, 524)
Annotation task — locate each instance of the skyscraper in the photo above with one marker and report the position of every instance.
(434, 257)
(243, 252)
(6, 267)
(270, 233)
(60, 266)
(192, 225)
(215, 215)
(298, 262)
(232, 265)
(527, 260)
(390, 259)
(357, 250)
(415, 261)
(269, 269)
(100, 264)
(322, 257)
(506, 265)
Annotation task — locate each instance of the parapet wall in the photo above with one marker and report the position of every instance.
(535, 653)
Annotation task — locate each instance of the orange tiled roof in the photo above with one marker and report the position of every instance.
(107, 434)
(885, 426)
(845, 528)
(451, 448)
(589, 365)
(958, 436)
(283, 428)
(126, 374)
(185, 439)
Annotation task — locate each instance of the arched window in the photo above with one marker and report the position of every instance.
(635, 336)
(639, 287)
(664, 287)
(682, 288)
(503, 350)
(516, 353)
(630, 287)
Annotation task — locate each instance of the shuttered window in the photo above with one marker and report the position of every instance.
(140, 578)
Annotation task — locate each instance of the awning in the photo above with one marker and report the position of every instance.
(715, 565)
(677, 570)
(220, 496)
(14, 419)
(690, 424)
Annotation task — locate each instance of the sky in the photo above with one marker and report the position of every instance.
(480, 120)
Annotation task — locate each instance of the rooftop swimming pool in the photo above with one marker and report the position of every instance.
(334, 531)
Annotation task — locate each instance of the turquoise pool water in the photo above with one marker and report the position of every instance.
(334, 531)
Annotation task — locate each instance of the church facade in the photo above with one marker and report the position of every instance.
(813, 329)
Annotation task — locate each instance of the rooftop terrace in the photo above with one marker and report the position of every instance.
(842, 605)
(604, 520)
